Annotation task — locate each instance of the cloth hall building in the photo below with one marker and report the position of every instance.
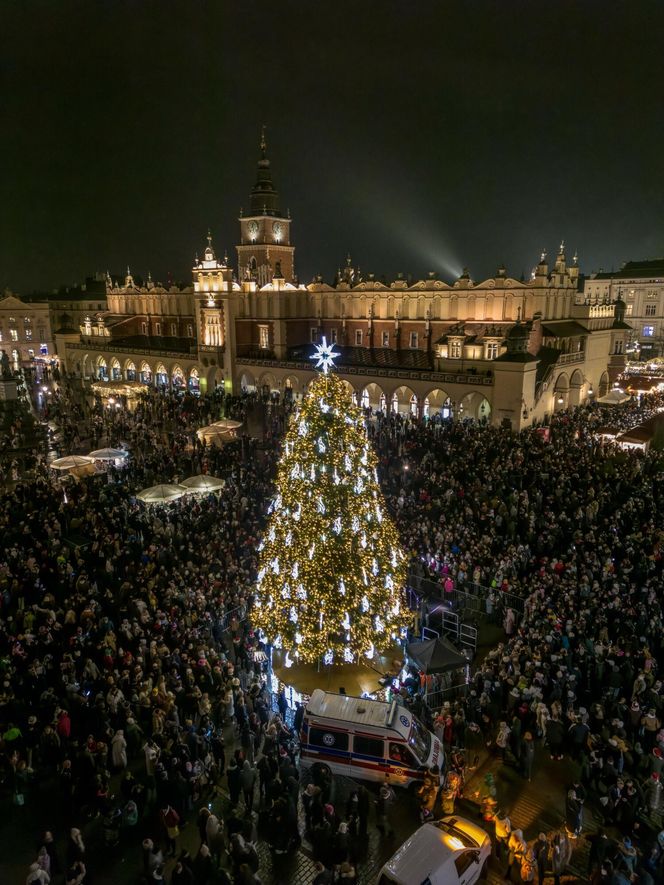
(503, 350)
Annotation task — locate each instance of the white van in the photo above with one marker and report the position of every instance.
(451, 851)
(366, 739)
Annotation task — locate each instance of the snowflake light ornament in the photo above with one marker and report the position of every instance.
(325, 356)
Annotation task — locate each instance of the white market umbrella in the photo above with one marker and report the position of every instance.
(161, 494)
(614, 397)
(215, 435)
(107, 454)
(70, 461)
(202, 485)
(227, 424)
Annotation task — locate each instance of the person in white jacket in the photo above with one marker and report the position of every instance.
(37, 876)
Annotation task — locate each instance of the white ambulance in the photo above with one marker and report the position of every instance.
(366, 739)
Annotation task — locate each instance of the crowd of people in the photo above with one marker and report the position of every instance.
(127, 660)
(566, 537)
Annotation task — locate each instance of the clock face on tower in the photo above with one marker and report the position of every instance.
(252, 229)
(277, 230)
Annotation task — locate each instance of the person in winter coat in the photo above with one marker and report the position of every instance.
(313, 806)
(527, 755)
(119, 750)
(502, 739)
(76, 873)
(517, 851)
(234, 788)
(541, 851)
(555, 734)
(48, 845)
(36, 875)
(181, 874)
(561, 853)
(247, 783)
(203, 866)
(170, 820)
(75, 847)
(503, 828)
(573, 813)
(214, 836)
(652, 791)
(152, 858)
(383, 808)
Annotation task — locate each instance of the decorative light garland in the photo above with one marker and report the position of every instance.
(329, 532)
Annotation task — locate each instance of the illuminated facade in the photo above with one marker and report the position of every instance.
(25, 331)
(640, 284)
(503, 350)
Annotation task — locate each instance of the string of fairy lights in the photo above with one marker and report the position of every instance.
(331, 570)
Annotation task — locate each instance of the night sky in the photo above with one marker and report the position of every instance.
(416, 135)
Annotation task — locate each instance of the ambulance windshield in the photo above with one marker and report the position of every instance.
(419, 741)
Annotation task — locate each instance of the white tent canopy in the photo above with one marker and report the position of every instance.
(70, 461)
(614, 397)
(161, 494)
(227, 424)
(214, 435)
(202, 485)
(107, 454)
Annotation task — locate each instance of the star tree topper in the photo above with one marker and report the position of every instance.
(326, 355)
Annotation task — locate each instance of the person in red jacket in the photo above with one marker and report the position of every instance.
(170, 819)
(63, 726)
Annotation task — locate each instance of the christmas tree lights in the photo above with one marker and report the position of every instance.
(331, 569)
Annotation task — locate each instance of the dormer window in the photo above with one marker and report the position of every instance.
(455, 350)
(491, 350)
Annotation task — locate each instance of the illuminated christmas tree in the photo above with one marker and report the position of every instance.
(331, 570)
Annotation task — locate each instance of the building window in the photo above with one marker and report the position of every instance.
(413, 339)
(314, 334)
(0, 335)
(28, 334)
(190, 331)
(385, 339)
(87, 324)
(264, 337)
(455, 350)
(358, 337)
(492, 350)
(144, 328)
(13, 334)
(157, 327)
(333, 336)
(629, 310)
(174, 329)
(651, 310)
(40, 333)
(648, 332)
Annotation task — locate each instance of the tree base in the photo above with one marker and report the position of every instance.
(371, 677)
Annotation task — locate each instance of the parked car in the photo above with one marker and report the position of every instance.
(450, 851)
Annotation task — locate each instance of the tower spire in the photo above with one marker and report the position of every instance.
(263, 142)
